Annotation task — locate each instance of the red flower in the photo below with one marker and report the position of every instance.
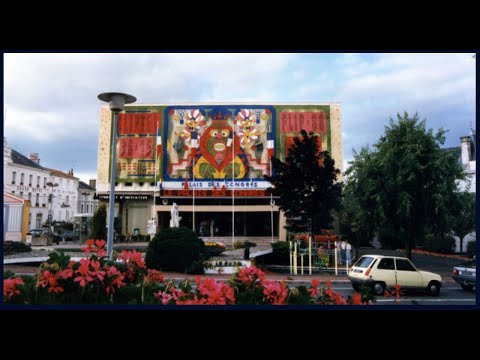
(10, 287)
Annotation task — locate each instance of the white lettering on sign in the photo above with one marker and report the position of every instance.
(209, 185)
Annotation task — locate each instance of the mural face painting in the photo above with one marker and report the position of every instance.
(218, 143)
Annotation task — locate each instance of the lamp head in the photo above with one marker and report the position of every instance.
(117, 100)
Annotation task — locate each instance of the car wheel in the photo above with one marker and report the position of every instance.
(433, 288)
(466, 287)
(379, 288)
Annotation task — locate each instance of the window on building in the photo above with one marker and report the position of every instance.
(44, 182)
(22, 178)
(30, 197)
(67, 216)
(66, 200)
(81, 209)
(38, 221)
(30, 180)
(13, 192)
(61, 182)
(44, 200)
(38, 181)
(21, 194)
(14, 177)
(37, 200)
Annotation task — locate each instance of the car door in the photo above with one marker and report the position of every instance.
(385, 272)
(406, 274)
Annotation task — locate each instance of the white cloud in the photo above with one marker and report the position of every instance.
(51, 99)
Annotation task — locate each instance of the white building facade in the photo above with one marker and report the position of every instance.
(64, 190)
(469, 162)
(26, 179)
(51, 192)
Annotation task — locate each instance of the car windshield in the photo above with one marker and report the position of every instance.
(364, 262)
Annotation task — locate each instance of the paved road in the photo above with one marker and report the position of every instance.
(450, 294)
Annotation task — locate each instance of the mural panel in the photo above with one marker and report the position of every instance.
(137, 136)
(221, 146)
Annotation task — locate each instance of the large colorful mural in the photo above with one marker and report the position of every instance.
(212, 147)
(218, 143)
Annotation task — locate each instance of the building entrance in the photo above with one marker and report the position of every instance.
(220, 223)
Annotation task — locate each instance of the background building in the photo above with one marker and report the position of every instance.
(46, 191)
(468, 160)
(209, 159)
(86, 198)
(25, 178)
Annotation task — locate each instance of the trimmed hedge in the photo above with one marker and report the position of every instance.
(175, 249)
(15, 247)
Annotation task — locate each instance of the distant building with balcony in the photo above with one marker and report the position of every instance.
(86, 201)
(64, 195)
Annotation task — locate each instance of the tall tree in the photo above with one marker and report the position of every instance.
(413, 181)
(99, 223)
(465, 220)
(306, 184)
(358, 205)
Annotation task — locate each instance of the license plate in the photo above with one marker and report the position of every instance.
(357, 271)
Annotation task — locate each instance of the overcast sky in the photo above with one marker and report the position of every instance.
(52, 107)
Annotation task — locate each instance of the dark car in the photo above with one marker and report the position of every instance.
(466, 275)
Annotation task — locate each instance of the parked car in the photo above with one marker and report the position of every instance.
(67, 235)
(384, 272)
(38, 232)
(466, 275)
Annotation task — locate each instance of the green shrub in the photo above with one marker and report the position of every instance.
(299, 295)
(15, 247)
(174, 249)
(280, 255)
(472, 247)
(437, 244)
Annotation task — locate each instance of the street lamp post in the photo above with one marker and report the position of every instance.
(117, 103)
(50, 214)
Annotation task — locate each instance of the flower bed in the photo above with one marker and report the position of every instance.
(214, 248)
(126, 280)
(224, 267)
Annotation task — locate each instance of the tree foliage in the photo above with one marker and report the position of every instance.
(406, 184)
(306, 184)
(358, 206)
(465, 220)
(99, 223)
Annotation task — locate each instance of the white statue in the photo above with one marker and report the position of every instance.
(175, 219)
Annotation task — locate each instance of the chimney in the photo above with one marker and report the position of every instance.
(465, 151)
(34, 158)
(93, 183)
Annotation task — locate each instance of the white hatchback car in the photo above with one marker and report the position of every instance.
(383, 272)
